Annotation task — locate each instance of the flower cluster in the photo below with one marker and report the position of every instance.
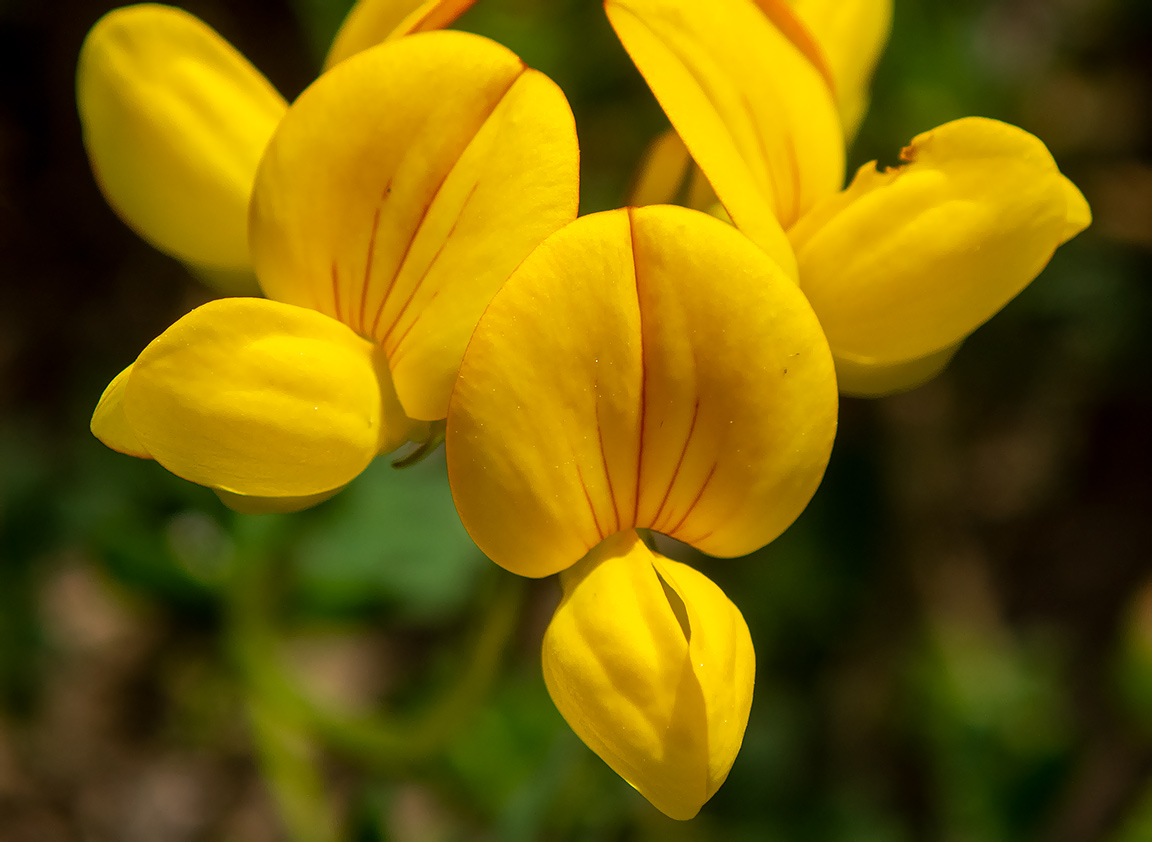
(411, 222)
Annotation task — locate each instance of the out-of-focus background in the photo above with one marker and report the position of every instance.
(954, 641)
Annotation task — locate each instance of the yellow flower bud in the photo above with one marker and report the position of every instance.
(652, 666)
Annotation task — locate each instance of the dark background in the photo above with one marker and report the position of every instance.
(954, 642)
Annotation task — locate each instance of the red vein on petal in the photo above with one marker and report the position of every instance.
(679, 463)
(692, 505)
(394, 356)
(368, 265)
(604, 458)
(643, 370)
(695, 540)
(423, 215)
(420, 281)
(588, 497)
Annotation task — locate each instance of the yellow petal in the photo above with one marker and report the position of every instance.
(783, 16)
(851, 35)
(906, 263)
(371, 22)
(262, 399)
(1078, 215)
(668, 176)
(644, 367)
(175, 121)
(754, 112)
(863, 378)
(653, 667)
(110, 425)
(663, 168)
(452, 162)
(249, 505)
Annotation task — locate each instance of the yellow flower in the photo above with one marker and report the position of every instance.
(175, 120)
(643, 368)
(396, 195)
(902, 265)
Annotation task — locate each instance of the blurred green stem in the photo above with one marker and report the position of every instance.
(285, 746)
(384, 742)
(286, 722)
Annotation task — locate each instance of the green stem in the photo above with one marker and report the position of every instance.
(386, 742)
(283, 740)
(380, 741)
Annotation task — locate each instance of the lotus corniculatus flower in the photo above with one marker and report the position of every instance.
(395, 196)
(645, 368)
(175, 121)
(901, 265)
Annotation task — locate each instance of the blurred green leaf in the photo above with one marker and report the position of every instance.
(393, 539)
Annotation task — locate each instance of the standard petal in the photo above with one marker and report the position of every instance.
(754, 112)
(653, 667)
(262, 399)
(453, 161)
(851, 35)
(175, 121)
(110, 424)
(371, 22)
(906, 263)
(644, 367)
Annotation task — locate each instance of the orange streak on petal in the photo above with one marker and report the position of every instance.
(786, 20)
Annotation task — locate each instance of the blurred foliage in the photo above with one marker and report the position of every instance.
(954, 641)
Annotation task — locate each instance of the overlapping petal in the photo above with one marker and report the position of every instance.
(175, 121)
(451, 162)
(371, 22)
(851, 35)
(643, 367)
(668, 176)
(906, 263)
(652, 666)
(755, 113)
(258, 398)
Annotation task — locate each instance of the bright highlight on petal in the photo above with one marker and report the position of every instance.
(653, 667)
(262, 399)
(452, 162)
(906, 263)
(851, 35)
(755, 113)
(643, 367)
(175, 121)
(371, 22)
